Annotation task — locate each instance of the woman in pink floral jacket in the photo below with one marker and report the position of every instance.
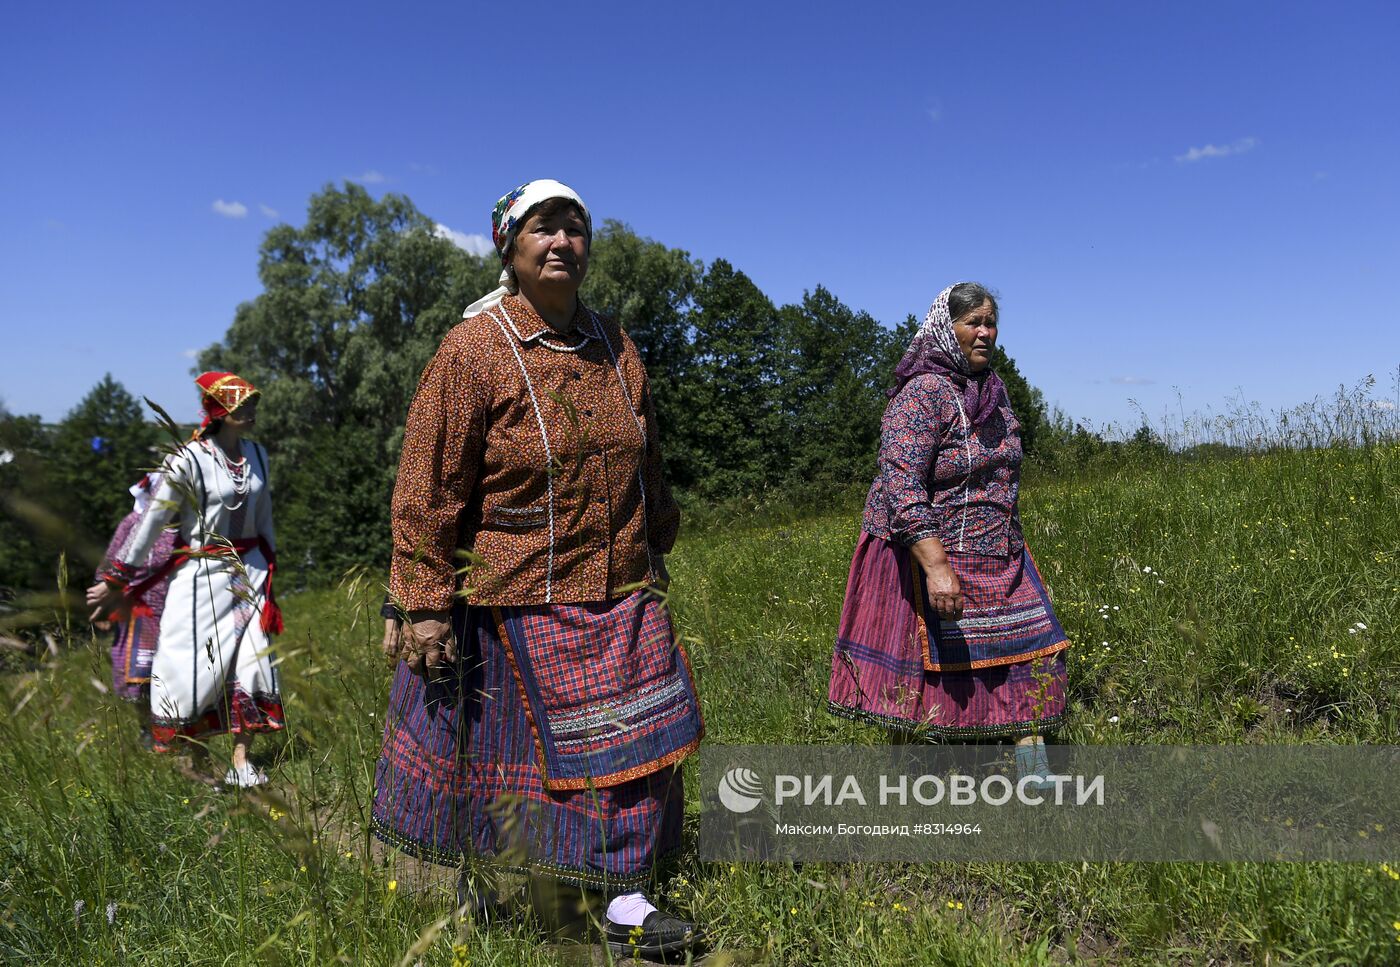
(947, 632)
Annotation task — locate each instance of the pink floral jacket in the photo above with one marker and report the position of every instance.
(939, 478)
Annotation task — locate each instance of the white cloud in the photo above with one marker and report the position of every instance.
(1217, 150)
(370, 177)
(267, 210)
(230, 209)
(935, 112)
(189, 353)
(475, 244)
(1383, 405)
(418, 168)
(1132, 380)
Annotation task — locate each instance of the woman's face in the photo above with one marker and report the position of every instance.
(243, 418)
(551, 250)
(977, 335)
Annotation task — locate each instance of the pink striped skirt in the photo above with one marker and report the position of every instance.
(996, 672)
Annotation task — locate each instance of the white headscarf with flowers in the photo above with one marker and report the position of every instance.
(510, 212)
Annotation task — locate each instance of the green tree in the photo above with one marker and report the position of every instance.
(100, 449)
(26, 553)
(735, 426)
(1026, 401)
(835, 376)
(354, 303)
(900, 338)
(331, 513)
(649, 289)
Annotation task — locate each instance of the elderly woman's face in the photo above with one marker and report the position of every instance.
(551, 250)
(976, 330)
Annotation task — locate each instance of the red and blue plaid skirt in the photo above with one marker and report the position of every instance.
(470, 766)
(998, 671)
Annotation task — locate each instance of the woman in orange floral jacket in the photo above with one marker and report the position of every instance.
(542, 704)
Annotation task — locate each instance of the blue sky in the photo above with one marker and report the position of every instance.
(1196, 199)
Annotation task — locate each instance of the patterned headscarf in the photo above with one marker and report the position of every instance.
(935, 349)
(221, 394)
(508, 215)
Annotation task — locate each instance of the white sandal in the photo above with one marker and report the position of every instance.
(245, 776)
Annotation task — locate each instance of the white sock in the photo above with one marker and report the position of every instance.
(245, 776)
(629, 910)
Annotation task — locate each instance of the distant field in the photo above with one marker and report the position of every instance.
(1246, 629)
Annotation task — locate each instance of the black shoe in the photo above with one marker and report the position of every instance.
(659, 934)
(481, 906)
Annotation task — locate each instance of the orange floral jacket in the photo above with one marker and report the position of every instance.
(530, 471)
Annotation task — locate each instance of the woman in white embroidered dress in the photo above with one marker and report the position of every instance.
(214, 670)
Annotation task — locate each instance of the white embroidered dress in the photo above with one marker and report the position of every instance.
(214, 670)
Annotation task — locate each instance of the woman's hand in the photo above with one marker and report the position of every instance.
(105, 599)
(391, 644)
(945, 591)
(428, 644)
(944, 588)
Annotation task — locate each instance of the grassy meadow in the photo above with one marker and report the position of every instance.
(1222, 600)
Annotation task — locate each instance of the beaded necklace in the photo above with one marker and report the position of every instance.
(545, 338)
(237, 472)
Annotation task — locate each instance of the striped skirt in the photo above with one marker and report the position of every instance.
(135, 639)
(133, 651)
(462, 771)
(997, 672)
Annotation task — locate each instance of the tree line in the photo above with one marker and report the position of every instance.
(751, 396)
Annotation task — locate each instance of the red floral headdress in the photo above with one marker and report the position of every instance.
(221, 394)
